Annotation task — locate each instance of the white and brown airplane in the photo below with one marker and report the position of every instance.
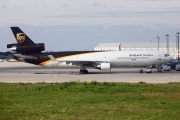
(31, 52)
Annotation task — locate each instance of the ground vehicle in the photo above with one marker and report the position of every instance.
(149, 70)
(166, 68)
(177, 67)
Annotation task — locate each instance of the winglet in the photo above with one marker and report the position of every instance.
(52, 58)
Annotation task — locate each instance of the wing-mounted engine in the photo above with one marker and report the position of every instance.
(103, 66)
(38, 47)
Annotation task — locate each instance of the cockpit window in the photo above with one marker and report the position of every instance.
(166, 55)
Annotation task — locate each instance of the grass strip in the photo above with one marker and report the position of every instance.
(89, 100)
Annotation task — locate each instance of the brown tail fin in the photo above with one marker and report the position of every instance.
(21, 37)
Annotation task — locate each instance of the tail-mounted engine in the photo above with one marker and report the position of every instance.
(38, 47)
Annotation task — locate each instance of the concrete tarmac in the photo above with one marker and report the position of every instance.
(16, 72)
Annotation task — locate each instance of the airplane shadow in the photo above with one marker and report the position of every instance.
(90, 73)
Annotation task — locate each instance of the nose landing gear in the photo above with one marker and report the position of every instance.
(160, 69)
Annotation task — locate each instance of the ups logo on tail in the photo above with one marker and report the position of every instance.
(20, 37)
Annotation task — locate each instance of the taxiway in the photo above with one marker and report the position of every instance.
(15, 72)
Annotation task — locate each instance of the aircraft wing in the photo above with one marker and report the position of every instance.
(78, 62)
(84, 63)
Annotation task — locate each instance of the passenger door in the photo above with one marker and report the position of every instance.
(159, 57)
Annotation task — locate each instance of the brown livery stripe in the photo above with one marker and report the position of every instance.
(59, 58)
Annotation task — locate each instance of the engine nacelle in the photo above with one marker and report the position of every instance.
(28, 48)
(104, 66)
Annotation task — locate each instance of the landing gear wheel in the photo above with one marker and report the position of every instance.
(141, 71)
(83, 72)
(160, 69)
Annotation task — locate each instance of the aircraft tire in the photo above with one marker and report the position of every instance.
(83, 71)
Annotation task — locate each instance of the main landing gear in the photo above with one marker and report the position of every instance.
(83, 71)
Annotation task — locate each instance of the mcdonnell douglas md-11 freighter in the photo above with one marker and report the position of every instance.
(31, 52)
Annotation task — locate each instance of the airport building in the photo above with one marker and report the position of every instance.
(170, 49)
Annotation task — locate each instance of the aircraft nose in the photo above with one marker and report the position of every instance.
(170, 59)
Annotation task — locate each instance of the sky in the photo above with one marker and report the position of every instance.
(65, 25)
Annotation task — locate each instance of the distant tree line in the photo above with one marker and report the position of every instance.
(6, 55)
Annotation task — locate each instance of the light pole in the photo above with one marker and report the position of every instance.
(167, 44)
(176, 47)
(158, 42)
(178, 44)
